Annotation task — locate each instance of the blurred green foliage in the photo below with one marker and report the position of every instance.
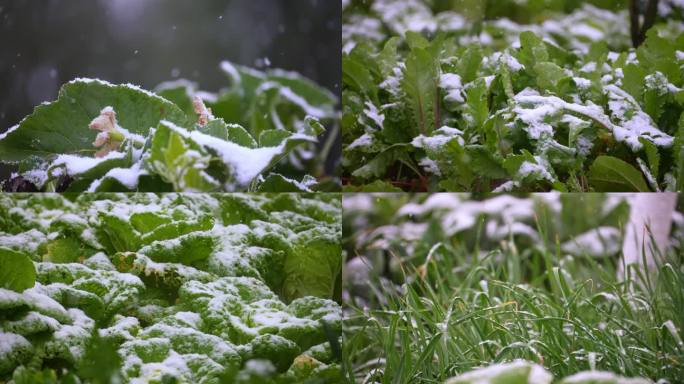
(519, 11)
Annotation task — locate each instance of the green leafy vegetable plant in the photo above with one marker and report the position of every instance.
(258, 134)
(187, 288)
(460, 95)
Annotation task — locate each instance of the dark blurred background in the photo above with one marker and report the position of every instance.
(44, 43)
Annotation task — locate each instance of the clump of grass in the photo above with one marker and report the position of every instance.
(456, 312)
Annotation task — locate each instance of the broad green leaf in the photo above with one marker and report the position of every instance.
(313, 93)
(654, 103)
(230, 106)
(238, 135)
(116, 233)
(181, 93)
(313, 267)
(598, 52)
(243, 79)
(61, 127)
(609, 173)
(84, 179)
(273, 137)
(416, 40)
(67, 250)
(263, 110)
(186, 249)
(17, 272)
(229, 132)
(512, 163)
(178, 228)
(145, 222)
(237, 209)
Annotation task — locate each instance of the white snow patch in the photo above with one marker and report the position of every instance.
(451, 83)
(75, 165)
(374, 114)
(363, 141)
(246, 163)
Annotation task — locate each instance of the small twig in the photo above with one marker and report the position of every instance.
(638, 31)
(650, 18)
(634, 21)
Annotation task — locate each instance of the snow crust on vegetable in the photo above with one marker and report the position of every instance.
(278, 119)
(195, 287)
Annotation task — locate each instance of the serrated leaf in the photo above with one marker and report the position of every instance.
(633, 80)
(387, 58)
(659, 54)
(609, 173)
(357, 76)
(377, 167)
(421, 76)
(61, 127)
(376, 186)
(652, 155)
(477, 104)
(469, 64)
(484, 163)
(654, 103)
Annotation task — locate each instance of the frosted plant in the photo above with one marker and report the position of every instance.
(170, 287)
(538, 98)
(259, 134)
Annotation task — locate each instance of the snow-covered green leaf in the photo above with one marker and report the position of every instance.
(61, 127)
